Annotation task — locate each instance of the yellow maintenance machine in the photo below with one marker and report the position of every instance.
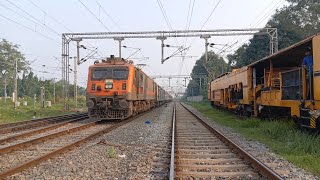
(279, 85)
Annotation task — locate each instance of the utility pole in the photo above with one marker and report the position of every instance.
(200, 87)
(54, 91)
(75, 90)
(42, 97)
(119, 39)
(206, 37)
(76, 62)
(162, 46)
(34, 105)
(16, 84)
(5, 88)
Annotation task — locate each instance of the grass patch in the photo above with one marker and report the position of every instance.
(9, 115)
(282, 137)
(111, 152)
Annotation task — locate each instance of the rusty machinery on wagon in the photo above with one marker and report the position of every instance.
(275, 86)
(117, 89)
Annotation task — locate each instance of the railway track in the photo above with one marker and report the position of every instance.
(200, 151)
(24, 151)
(36, 123)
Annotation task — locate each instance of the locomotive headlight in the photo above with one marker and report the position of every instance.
(109, 86)
(124, 86)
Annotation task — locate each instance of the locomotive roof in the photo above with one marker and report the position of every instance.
(291, 55)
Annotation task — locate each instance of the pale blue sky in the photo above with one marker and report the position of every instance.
(139, 15)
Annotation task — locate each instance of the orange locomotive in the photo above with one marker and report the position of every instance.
(117, 89)
(275, 86)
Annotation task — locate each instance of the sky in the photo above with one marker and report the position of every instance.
(37, 25)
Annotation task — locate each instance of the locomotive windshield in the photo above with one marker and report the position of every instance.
(110, 73)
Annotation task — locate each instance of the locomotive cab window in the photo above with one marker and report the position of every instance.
(110, 73)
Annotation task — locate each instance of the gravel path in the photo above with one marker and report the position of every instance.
(129, 152)
(260, 151)
(139, 150)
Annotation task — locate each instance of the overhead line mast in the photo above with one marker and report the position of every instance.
(68, 37)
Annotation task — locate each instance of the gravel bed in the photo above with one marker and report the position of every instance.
(129, 152)
(17, 157)
(261, 152)
(30, 128)
(37, 135)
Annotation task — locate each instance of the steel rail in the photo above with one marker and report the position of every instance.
(35, 120)
(262, 168)
(37, 124)
(171, 177)
(68, 147)
(46, 137)
(37, 131)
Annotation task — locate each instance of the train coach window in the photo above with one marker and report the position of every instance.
(120, 74)
(102, 74)
(110, 73)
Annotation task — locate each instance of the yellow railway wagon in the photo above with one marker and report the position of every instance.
(277, 85)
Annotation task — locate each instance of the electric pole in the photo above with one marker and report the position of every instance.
(54, 90)
(42, 97)
(5, 88)
(119, 39)
(16, 84)
(76, 62)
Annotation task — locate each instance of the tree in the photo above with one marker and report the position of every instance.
(9, 53)
(205, 71)
(298, 20)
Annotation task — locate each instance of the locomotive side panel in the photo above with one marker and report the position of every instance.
(232, 89)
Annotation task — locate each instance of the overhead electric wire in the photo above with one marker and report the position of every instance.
(208, 18)
(24, 26)
(39, 22)
(276, 6)
(58, 22)
(214, 8)
(188, 23)
(18, 13)
(94, 15)
(110, 17)
(163, 11)
(54, 19)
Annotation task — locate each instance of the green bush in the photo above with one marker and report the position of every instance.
(299, 147)
(111, 152)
